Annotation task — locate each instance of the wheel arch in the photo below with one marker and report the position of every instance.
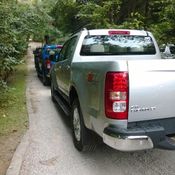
(73, 94)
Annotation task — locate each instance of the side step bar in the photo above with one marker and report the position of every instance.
(62, 104)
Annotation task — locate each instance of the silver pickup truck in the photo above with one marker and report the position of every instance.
(115, 84)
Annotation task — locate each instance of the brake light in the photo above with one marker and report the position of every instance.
(119, 32)
(59, 46)
(48, 64)
(116, 95)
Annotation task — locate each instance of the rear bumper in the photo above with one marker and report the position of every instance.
(139, 137)
(128, 143)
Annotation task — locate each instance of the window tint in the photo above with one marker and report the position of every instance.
(117, 45)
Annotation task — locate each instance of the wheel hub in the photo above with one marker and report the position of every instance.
(76, 124)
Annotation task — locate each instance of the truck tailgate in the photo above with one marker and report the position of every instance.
(151, 89)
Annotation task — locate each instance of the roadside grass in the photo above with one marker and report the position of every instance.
(13, 116)
(13, 111)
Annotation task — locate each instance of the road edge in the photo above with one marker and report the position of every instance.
(18, 157)
(17, 160)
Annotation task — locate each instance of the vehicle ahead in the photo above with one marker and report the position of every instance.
(168, 51)
(45, 58)
(114, 83)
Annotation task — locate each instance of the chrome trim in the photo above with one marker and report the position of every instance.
(128, 143)
(137, 137)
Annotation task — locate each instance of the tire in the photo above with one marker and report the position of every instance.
(52, 92)
(45, 79)
(81, 135)
(36, 64)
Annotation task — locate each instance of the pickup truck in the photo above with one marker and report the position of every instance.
(114, 83)
(44, 58)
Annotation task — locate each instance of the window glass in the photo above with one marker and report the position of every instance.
(63, 52)
(117, 45)
(71, 48)
(68, 49)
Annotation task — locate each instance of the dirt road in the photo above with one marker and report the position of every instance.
(47, 147)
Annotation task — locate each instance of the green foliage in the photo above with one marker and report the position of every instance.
(70, 16)
(93, 15)
(154, 15)
(43, 23)
(19, 22)
(65, 15)
(8, 39)
(135, 21)
(101, 15)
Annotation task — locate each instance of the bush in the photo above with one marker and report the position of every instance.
(18, 22)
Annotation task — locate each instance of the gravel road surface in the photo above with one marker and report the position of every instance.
(47, 147)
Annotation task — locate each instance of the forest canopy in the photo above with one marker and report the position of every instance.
(156, 16)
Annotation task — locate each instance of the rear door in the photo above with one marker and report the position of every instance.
(64, 65)
(151, 89)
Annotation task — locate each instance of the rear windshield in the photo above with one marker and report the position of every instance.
(55, 50)
(117, 45)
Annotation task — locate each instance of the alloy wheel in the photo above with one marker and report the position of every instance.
(76, 124)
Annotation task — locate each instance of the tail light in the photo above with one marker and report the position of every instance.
(48, 64)
(116, 95)
(119, 32)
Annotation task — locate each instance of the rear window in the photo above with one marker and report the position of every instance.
(55, 50)
(117, 45)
